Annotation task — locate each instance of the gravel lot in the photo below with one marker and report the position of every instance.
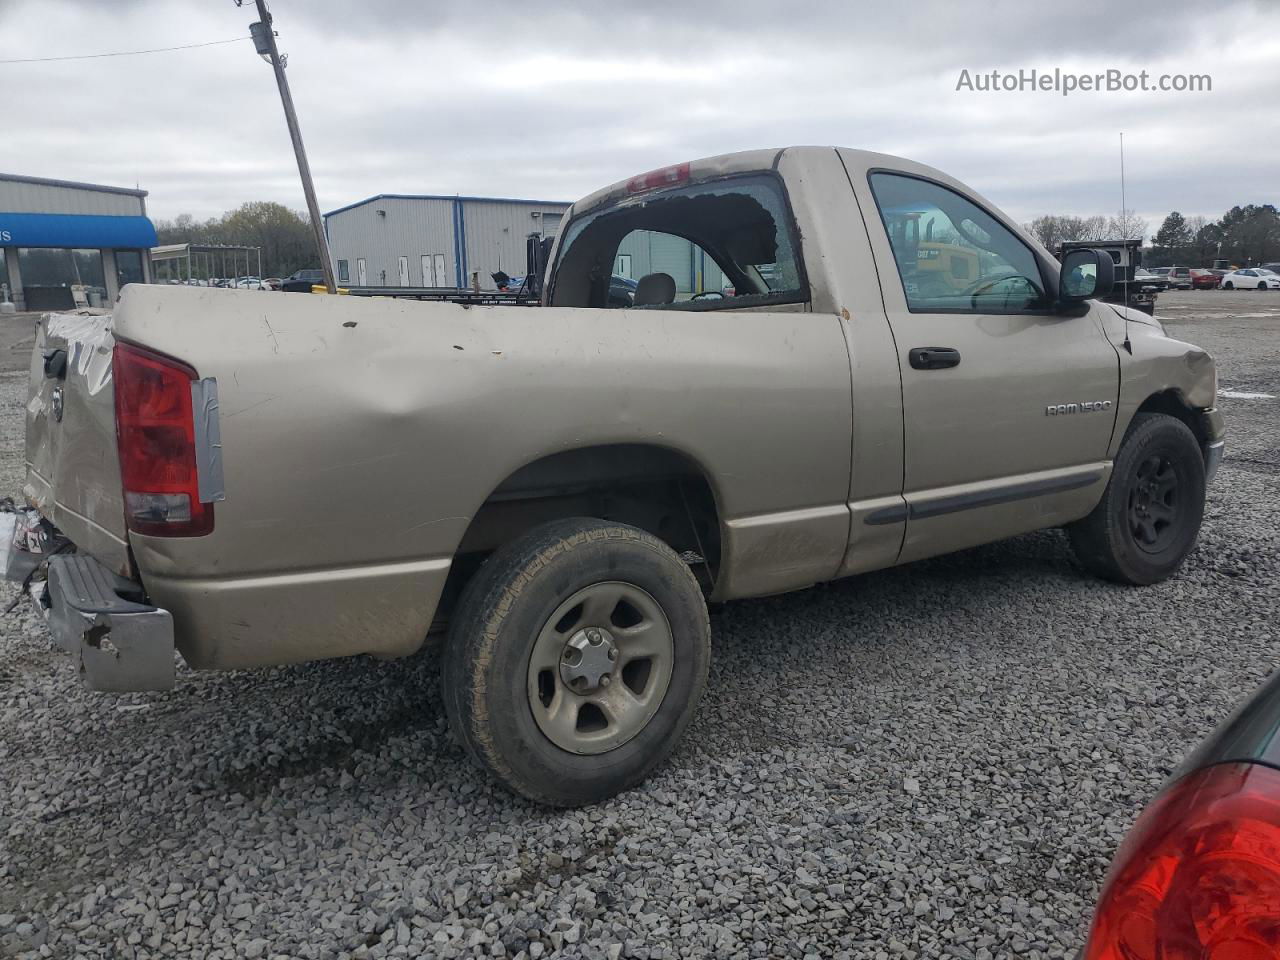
(934, 761)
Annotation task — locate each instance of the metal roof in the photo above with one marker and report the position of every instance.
(72, 184)
(441, 196)
(176, 251)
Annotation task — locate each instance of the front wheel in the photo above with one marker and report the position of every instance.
(1150, 513)
(576, 659)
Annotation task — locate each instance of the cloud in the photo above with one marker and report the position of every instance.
(399, 96)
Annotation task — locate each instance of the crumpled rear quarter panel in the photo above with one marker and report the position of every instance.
(73, 465)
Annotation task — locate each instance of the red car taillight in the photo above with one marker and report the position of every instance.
(1198, 877)
(155, 431)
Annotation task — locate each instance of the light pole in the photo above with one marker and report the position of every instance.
(264, 41)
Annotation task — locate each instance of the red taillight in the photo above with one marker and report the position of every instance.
(666, 177)
(156, 434)
(1198, 877)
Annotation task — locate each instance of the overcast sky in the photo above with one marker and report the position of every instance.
(553, 99)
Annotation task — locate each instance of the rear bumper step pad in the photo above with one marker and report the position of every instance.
(119, 643)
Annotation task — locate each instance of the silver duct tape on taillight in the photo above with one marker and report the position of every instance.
(208, 436)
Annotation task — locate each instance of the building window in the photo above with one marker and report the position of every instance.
(128, 267)
(77, 273)
(344, 275)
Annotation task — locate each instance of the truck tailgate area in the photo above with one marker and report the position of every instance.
(73, 468)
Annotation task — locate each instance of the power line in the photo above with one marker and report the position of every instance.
(125, 53)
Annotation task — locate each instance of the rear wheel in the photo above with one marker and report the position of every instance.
(1149, 516)
(1227, 286)
(576, 659)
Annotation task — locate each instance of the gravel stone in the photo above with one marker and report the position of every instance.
(932, 761)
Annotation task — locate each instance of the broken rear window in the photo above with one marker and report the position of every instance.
(720, 245)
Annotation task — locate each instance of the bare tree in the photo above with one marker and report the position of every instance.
(1127, 225)
(1053, 230)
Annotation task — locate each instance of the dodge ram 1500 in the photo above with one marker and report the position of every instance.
(892, 369)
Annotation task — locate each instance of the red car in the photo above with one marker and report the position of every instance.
(1205, 279)
(1198, 876)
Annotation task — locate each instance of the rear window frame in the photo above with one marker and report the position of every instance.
(803, 294)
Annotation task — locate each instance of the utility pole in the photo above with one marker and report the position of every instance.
(264, 41)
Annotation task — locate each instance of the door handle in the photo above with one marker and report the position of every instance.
(933, 358)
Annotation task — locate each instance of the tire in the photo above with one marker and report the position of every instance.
(508, 662)
(1262, 285)
(1126, 538)
(1227, 286)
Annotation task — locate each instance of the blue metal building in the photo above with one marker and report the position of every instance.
(65, 244)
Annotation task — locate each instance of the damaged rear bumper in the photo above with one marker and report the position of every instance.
(119, 642)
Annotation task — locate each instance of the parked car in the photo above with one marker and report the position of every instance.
(251, 283)
(566, 488)
(1273, 267)
(273, 282)
(1145, 278)
(1251, 278)
(1179, 278)
(1199, 873)
(301, 281)
(1205, 279)
(1162, 272)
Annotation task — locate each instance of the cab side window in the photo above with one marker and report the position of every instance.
(953, 256)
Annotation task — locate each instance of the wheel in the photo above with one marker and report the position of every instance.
(1262, 285)
(1227, 286)
(575, 660)
(1149, 516)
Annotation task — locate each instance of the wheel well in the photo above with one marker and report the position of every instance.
(1172, 403)
(654, 488)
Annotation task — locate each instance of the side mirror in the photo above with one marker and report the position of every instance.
(1086, 274)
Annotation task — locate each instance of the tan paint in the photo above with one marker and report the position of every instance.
(361, 436)
(77, 454)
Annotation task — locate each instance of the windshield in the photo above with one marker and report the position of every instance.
(723, 244)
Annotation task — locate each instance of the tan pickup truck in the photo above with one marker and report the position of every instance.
(890, 369)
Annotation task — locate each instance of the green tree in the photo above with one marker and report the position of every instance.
(1204, 242)
(1173, 238)
(283, 234)
(1251, 234)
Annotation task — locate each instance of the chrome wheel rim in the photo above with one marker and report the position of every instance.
(600, 667)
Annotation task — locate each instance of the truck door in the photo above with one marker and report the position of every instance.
(1008, 404)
